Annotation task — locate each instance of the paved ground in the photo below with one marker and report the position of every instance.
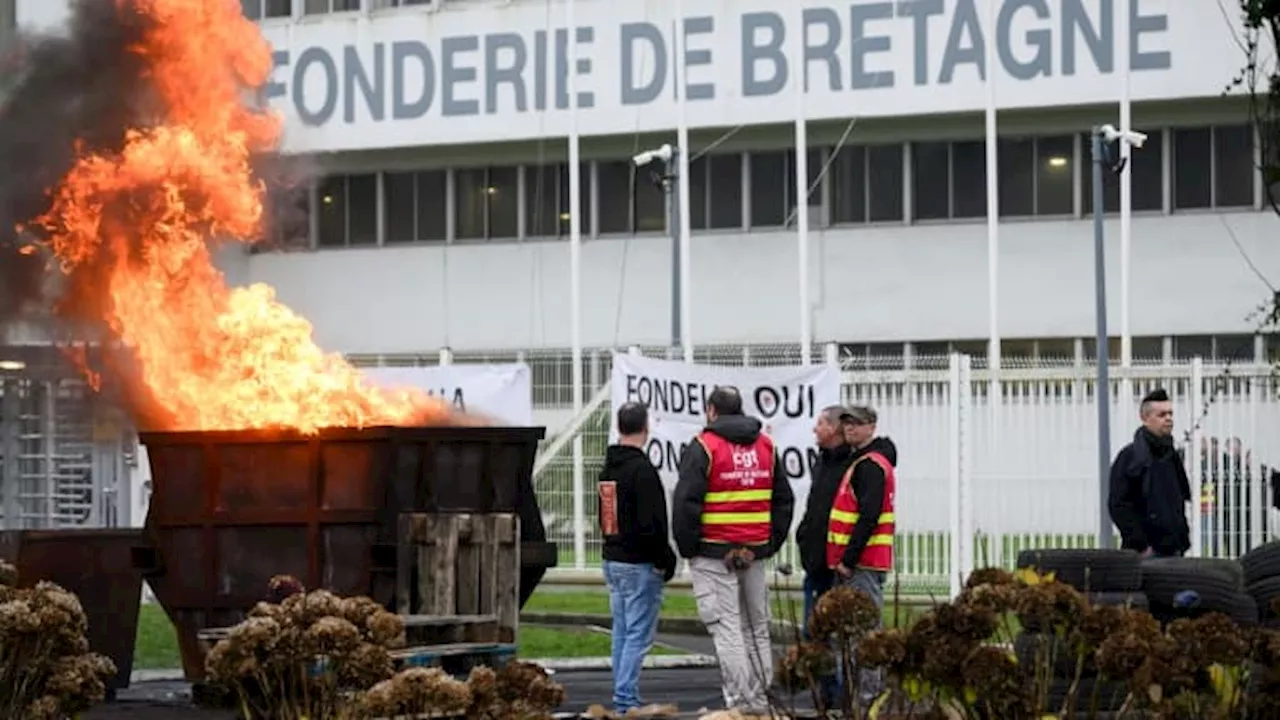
(688, 689)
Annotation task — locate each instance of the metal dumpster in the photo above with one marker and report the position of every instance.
(229, 510)
(96, 566)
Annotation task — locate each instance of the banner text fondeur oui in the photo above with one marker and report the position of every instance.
(846, 49)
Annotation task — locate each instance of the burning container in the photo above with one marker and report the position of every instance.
(229, 510)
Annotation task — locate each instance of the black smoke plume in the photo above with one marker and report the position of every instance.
(60, 95)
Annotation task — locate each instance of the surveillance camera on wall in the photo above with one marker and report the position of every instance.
(663, 153)
(1132, 137)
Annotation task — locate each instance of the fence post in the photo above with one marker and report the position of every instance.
(959, 456)
(832, 352)
(1195, 471)
(953, 475)
(965, 426)
(634, 351)
(446, 356)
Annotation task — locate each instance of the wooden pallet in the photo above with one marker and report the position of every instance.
(460, 565)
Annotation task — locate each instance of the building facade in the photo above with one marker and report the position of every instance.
(437, 216)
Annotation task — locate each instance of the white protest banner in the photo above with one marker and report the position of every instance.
(786, 400)
(504, 392)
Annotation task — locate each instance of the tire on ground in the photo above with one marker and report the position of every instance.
(1178, 588)
(1261, 563)
(1229, 570)
(1266, 595)
(1088, 570)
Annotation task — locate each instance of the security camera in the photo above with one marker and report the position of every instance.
(1132, 137)
(663, 153)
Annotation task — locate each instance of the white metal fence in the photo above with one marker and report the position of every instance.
(981, 479)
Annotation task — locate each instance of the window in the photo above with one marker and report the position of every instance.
(1056, 351)
(1147, 350)
(1146, 169)
(1190, 346)
(1213, 167)
(1036, 176)
(866, 184)
(486, 204)
(1192, 169)
(546, 200)
(969, 179)
(319, 7)
(287, 223)
(348, 211)
(884, 183)
(1017, 177)
(381, 4)
(1233, 166)
(849, 185)
(631, 200)
(715, 192)
(931, 180)
(416, 206)
(1055, 163)
(768, 192)
(1091, 347)
(773, 186)
(258, 9)
(1233, 348)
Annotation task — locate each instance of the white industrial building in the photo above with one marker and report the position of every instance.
(439, 215)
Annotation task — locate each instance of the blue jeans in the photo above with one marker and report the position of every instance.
(815, 586)
(635, 597)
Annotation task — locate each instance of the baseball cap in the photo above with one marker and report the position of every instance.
(858, 414)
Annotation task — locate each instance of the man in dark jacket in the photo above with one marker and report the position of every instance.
(1149, 486)
(732, 509)
(834, 456)
(637, 554)
(866, 560)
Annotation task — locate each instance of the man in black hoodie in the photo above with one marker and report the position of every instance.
(732, 510)
(637, 555)
(1149, 486)
(834, 456)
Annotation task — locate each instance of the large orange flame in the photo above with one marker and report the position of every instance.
(134, 229)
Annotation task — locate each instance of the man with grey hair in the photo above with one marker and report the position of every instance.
(834, 455)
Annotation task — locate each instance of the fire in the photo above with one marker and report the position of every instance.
(132, 232)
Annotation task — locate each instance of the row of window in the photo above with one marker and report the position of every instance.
(258, 9)
(1049, 176)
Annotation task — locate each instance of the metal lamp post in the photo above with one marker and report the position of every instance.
(1101, 136)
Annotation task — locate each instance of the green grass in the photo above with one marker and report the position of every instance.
(674, 605)
(157, 643)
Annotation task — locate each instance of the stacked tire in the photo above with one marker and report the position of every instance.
(1192, 587)
(1261, 570)
(1105, 577)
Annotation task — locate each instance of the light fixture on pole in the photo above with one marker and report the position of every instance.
(1103, 136)
(670, 157)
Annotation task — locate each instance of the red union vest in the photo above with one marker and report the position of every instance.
(878, 554)
(737, 509)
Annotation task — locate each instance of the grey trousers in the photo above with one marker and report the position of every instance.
(871, 582)
(735, 608)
